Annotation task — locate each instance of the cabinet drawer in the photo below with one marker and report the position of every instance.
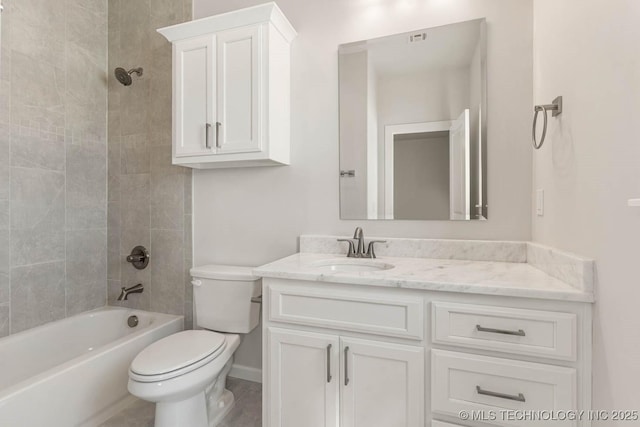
(467, 382)
(370, 312)
(519, 331)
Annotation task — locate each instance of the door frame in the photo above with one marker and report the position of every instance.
(390, 131)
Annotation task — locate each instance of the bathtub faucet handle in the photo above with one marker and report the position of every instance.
(124, 293)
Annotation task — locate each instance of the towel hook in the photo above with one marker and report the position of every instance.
(556, 109)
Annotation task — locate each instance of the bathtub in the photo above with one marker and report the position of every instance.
(73, 372)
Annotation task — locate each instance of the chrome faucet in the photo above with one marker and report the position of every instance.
(356, 245)
(124, 293)
(359, 236)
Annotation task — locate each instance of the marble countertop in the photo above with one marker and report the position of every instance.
(517, 279)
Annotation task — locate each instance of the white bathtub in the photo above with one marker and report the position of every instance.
(73, 372)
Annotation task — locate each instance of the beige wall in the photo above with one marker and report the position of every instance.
(590, 166)
(254, 215)
(149, 199)
(53, 104)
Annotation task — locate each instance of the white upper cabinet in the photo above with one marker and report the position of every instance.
(231, 89)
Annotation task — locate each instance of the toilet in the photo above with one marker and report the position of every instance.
(185, 374)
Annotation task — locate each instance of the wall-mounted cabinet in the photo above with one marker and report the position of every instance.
(231, 89)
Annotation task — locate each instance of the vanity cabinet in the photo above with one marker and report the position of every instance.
(342, 376)
(231, 89)
(320, 380)
(341, 355)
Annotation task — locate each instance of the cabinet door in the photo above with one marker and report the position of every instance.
(239, 89)
(382, 384)
(303, 379)
(194, 95)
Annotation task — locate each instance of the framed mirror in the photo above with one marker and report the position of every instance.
(413, 125)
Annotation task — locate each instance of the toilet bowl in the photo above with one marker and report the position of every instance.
(185, 373)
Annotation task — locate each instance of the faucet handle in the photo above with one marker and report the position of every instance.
(352, 248)
(371, 253)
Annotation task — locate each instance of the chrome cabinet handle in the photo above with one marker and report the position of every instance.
(519, 332)
(218, 124)
(329, 363)
(518, 398)
(346, 366)
(206, 133)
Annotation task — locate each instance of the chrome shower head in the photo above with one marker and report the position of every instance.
(124, 76)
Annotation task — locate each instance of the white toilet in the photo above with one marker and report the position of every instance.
(185, 373)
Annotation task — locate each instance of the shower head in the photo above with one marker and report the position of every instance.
(124, 76)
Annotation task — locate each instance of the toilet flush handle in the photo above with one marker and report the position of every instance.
(196, 282)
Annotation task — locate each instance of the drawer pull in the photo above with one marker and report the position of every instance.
(329, 363)
(518, 398)
(519, 332)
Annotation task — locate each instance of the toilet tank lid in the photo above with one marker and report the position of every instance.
(224, 272)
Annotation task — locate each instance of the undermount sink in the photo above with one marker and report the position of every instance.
(351, 265)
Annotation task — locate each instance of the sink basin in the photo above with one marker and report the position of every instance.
(350, 265)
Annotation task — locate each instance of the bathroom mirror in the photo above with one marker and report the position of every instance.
(413, 125)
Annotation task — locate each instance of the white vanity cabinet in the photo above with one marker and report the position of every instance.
(343, 355)
(231, 89)
(341, 376)
(318, 380)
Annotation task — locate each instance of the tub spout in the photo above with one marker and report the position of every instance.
(124, 294)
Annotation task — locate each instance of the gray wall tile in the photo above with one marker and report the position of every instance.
(31, 148)
(167, 272)
(5, 265)
(53, 171)
(86, 270)
(37, 91)
(37, 199)
(37, 295)
(167, 202)
(135, 157)
(37, 216)
(86, 186)
(134, 201)
(5, 319)
(151, 192)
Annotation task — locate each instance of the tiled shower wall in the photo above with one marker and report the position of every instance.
(53, 152)
(149, 199)
(74, 202)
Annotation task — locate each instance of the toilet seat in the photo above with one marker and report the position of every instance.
(177, 355)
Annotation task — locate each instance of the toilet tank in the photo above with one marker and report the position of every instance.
(222, 298)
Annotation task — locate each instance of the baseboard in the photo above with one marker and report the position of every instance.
(246, 373)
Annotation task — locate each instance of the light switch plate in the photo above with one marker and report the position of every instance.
(540, 202)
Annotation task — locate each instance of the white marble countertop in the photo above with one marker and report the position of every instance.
(517, 279)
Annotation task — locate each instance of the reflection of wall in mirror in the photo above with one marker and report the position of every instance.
(421, 177)
(419, 97)
(353, 128)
